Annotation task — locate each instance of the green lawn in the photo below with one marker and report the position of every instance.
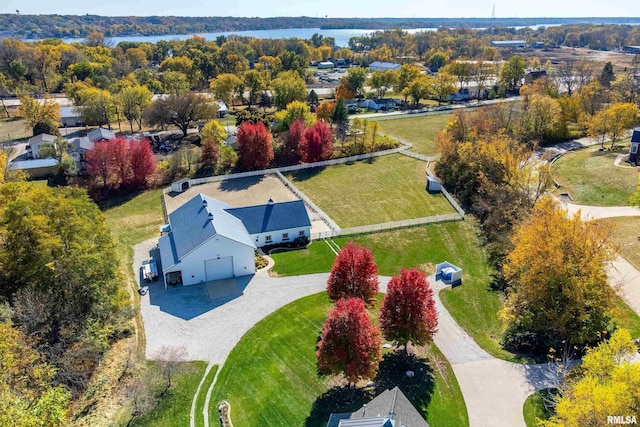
(175, 406)
(388, 188)
(420, 130)
(202, 396)
(12, 129)
(590, 177)
(270, 377)
(473, 304)
(626, 236)
(534, 408)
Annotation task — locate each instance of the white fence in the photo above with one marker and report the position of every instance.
(325, 218)
(387, 226)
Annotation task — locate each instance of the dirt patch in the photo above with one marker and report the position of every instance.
(236, 192)
(620, 61)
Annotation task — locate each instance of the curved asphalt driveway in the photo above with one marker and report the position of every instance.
(209, 325)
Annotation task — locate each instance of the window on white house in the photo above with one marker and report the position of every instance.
(634, 148)
(301, 233)
(285, 236)
(267, 238)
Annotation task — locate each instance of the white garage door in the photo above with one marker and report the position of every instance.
(219, 268)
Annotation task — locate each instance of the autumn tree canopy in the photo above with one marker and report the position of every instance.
(354, 274)
(119, 163)
(317, 143)
(255, 146)
(349, 343)
(408, 312)
(558, 281)
(607, 384)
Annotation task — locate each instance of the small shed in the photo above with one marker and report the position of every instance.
(180, 186)
(634, 156)
(433, 184)
(449, 273)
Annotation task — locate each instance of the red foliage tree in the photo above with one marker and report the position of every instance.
(119, 150)
(255, 148)
(408, 312)
(119, 163)
(210, 153)
(143, 162)
(317, 143)
(99, 163)
(349, 344)
(354, 274)
(295, 136)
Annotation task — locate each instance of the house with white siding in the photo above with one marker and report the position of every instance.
(209, 240)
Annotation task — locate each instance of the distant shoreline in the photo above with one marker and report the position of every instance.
(29, 27)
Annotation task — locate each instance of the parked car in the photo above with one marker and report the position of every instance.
(149, 270)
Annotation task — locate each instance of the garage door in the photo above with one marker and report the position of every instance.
(218, 268)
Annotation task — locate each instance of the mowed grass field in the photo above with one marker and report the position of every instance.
(590, 177)
(12, 129)
(382, 189)
(270, 377)
(418, 130)
(626, 236)
(474, 305)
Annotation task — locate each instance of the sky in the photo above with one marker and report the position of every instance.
(330, 8)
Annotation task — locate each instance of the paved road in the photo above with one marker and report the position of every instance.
(588, 213)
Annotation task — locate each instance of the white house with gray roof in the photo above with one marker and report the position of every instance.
(209, 240)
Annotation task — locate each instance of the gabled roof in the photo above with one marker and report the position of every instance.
(369, 422)
(82, 142)
(43, 137)
(33, 164)
(635, 137)
(195, 222)
(390, 65)
(392, 402)
(98, 134)
(272, 216)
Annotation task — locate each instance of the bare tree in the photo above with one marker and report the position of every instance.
(583, 71)
(565, 76)
(168, 360)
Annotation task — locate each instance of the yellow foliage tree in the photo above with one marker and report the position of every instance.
(609, 386)
(613, 121)
(296, 110)
(559, 291)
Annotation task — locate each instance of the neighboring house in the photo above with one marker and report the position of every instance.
(209, 240)
(383, 66)
(70, 117)
(391, 408)
(100, 134)
(78, 148)
(38, 168)
(631, 49)
(532, 75)
(325, 65)
(379, 104)
(509, 43)
(634, 155)
(34, 144)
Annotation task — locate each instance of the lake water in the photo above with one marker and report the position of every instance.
(341, 36)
